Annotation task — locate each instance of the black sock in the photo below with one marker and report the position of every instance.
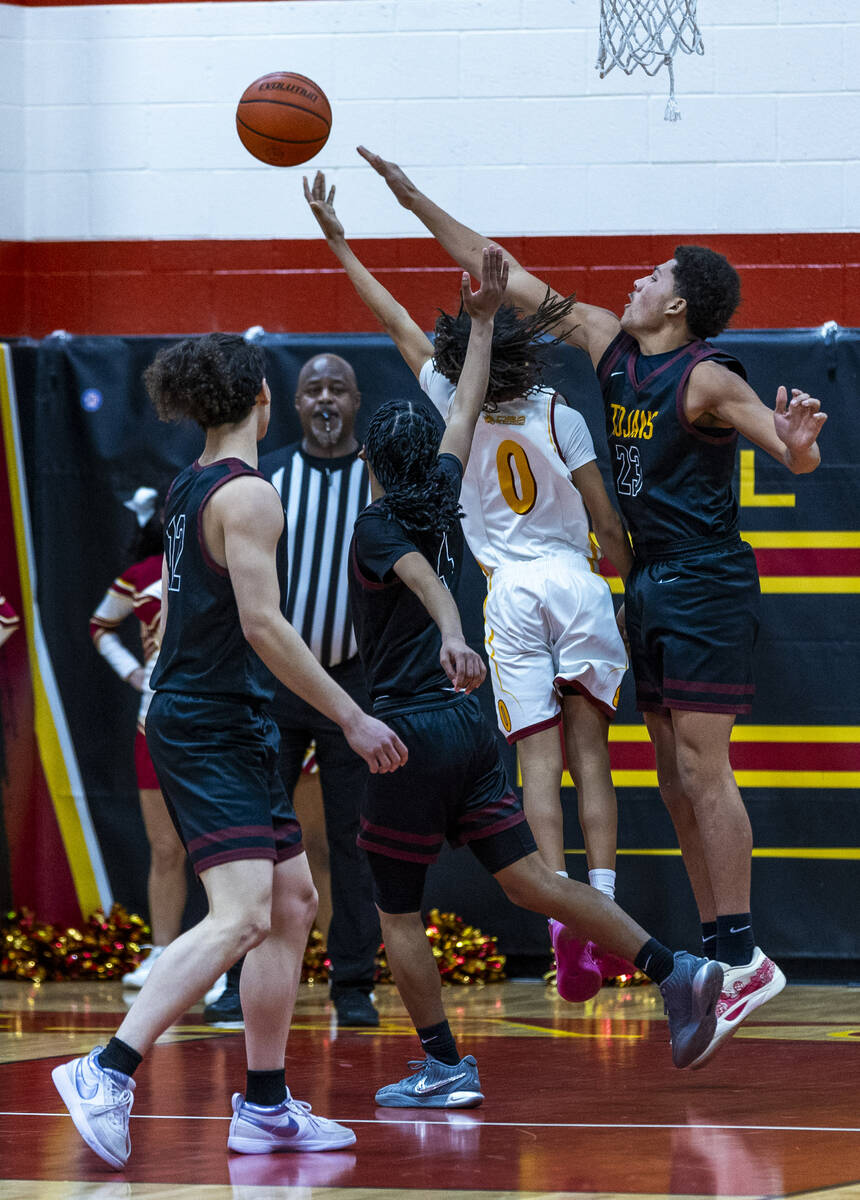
(709, 939)
(735, 939)
(655, 960)
(117, 1056)
(266, 1088)
(438, 1042)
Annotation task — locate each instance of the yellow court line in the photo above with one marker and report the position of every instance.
(563, 1033)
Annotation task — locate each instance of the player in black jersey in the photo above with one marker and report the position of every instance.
(674, 407)
(215, 750)
(406, 555)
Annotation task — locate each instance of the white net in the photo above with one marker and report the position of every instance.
(648, 34)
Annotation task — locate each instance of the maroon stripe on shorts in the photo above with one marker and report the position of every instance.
(392, 852)
(702, 685)
(204, 862)
(397, 835)
(474, 835)
(230, 834)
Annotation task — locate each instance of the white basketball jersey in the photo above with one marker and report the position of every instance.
(518, 498)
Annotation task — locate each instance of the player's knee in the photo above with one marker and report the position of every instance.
(302, 905)
(526, 886)
(167, 854)
(248, 926)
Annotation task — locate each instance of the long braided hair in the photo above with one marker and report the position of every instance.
(401, 446)
(518, 351)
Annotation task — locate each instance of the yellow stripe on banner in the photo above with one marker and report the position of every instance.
(47, 735)
(829, 853)
(810, 539)
(810, 584)
(781, 585)
(749, 497)
(814, 780)
(757, 733)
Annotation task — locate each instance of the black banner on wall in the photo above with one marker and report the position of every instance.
(90, 438)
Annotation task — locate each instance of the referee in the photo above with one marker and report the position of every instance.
(324, 486)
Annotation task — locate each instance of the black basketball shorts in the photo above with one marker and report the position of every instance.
(692, 622)
(217, 763)
(454, 787)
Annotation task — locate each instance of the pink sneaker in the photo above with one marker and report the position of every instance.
(611, 966)
(744, 990)
(578, 977)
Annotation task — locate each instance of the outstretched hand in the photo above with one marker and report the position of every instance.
(322, 206)
(486, 301)
(797, 422)
(404, 189)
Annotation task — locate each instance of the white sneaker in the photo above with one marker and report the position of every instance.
(99, 1102)
(744, 990)
(290, 1125)
(138, 977)
(216, 990)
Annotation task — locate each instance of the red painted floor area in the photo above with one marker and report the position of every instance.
(562, 1113)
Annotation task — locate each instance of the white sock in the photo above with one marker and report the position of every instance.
(564, 875)
(604, 880)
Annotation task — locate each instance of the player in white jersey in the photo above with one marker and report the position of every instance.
(554, 648)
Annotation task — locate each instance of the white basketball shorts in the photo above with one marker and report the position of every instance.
(547, 623)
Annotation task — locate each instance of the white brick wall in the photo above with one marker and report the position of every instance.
(118, 121)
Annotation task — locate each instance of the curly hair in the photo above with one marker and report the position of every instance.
(518, 349)
(213, 380)
(401, 447)
(710, 285)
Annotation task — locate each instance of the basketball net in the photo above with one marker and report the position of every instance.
(648, 34)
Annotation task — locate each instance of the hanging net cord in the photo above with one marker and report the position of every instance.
(646, 34)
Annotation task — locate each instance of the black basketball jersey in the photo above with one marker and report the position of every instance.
(203, 651)
(398, 641)
(673, 479)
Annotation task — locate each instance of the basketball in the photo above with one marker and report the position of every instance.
(283, 118)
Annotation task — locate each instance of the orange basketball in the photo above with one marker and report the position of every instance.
(283, 118)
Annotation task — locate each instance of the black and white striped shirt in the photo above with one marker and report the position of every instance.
(321, 498)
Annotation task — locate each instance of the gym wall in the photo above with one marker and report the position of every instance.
(128, 205)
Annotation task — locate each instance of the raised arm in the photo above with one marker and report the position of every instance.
(589, 327)
(242, 524)
(471, 392)
(789, 432)
(411, 341)
(605, 521)
(461, 664)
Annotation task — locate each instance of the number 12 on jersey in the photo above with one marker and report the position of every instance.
(175, 532)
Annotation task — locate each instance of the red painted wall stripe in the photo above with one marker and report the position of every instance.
(753, 756)
(160, 287)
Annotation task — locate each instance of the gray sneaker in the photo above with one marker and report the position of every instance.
(434, 1084)
(690, 996)
(99, 1102)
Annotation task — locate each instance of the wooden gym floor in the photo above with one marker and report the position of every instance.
(581, 1101)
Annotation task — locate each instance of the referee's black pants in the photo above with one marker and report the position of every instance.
(353, 936)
